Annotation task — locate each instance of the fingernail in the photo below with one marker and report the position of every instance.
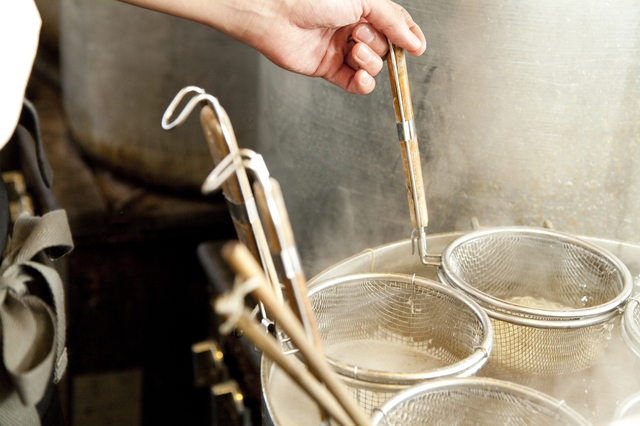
(415, 41)
(364, 34)
(364, 54)
(366, 80)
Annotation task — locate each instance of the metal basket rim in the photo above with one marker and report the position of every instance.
(476, 382)
(553, 317)
(627, 404)
(473, 362)
(629, 330)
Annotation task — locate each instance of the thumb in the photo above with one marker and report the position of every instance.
(396, 24)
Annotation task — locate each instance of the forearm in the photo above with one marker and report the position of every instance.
(245, 20)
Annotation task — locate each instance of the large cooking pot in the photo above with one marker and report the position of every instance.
(525, 111)
(122, 65)
(594, 393)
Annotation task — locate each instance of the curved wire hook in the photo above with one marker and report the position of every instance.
(225, 168)
(201, 96)
(186, 111)
(220, 173)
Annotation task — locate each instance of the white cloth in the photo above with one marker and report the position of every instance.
(20, 25)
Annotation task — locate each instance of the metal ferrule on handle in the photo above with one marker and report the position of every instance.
(406, 133)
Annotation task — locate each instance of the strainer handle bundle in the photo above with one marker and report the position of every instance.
(236, 188)
(247, 269)
(409, 145)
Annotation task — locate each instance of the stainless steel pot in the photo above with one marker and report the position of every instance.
(593, 393)
(525, 111)
(121, 65)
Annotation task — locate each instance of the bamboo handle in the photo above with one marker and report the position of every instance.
(295, 284)
(251, 234)
(267, 345)
(219, 150)
(241, 261)
(412, 144)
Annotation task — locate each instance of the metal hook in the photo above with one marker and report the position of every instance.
(201, 96)
(250, 160)
(187, 109)
(220, 173)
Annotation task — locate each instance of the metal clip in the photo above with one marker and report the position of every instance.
(406, 130)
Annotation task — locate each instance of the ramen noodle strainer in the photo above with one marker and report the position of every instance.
(474, 401)
(385, 332)
(552, 298)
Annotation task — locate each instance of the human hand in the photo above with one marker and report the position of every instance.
(342, 41)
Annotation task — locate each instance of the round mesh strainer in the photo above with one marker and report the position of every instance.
(474, 402)
(552, 298)
(630, 325)
(384, 332)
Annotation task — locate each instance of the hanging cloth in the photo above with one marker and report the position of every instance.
(32, 334)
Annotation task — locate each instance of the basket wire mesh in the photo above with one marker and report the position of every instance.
(474, 401)
(552, 298)
(385, 332)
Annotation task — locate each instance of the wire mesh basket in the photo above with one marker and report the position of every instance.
(474, 401)
(385, 332)
(630, 325)
(552, 298)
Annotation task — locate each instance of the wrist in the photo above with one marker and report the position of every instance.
(246, 20)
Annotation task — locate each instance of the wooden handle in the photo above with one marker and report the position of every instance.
(412, 144)
(241, 261)
(267, 345)
(295, 286)
(251, 234)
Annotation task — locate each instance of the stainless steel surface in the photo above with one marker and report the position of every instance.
(474, 401)
(526, 111)
(594, 393)
(121, 65)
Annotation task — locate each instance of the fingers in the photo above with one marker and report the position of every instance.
(396, 24)
(370, 47)
(365, 33)
(363, 83)
(356, 82)
(363, 57)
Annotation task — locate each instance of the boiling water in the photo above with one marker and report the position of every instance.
(293, 407)
(538, 302)
(594, 393)
(290, 404)
(382, 355)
